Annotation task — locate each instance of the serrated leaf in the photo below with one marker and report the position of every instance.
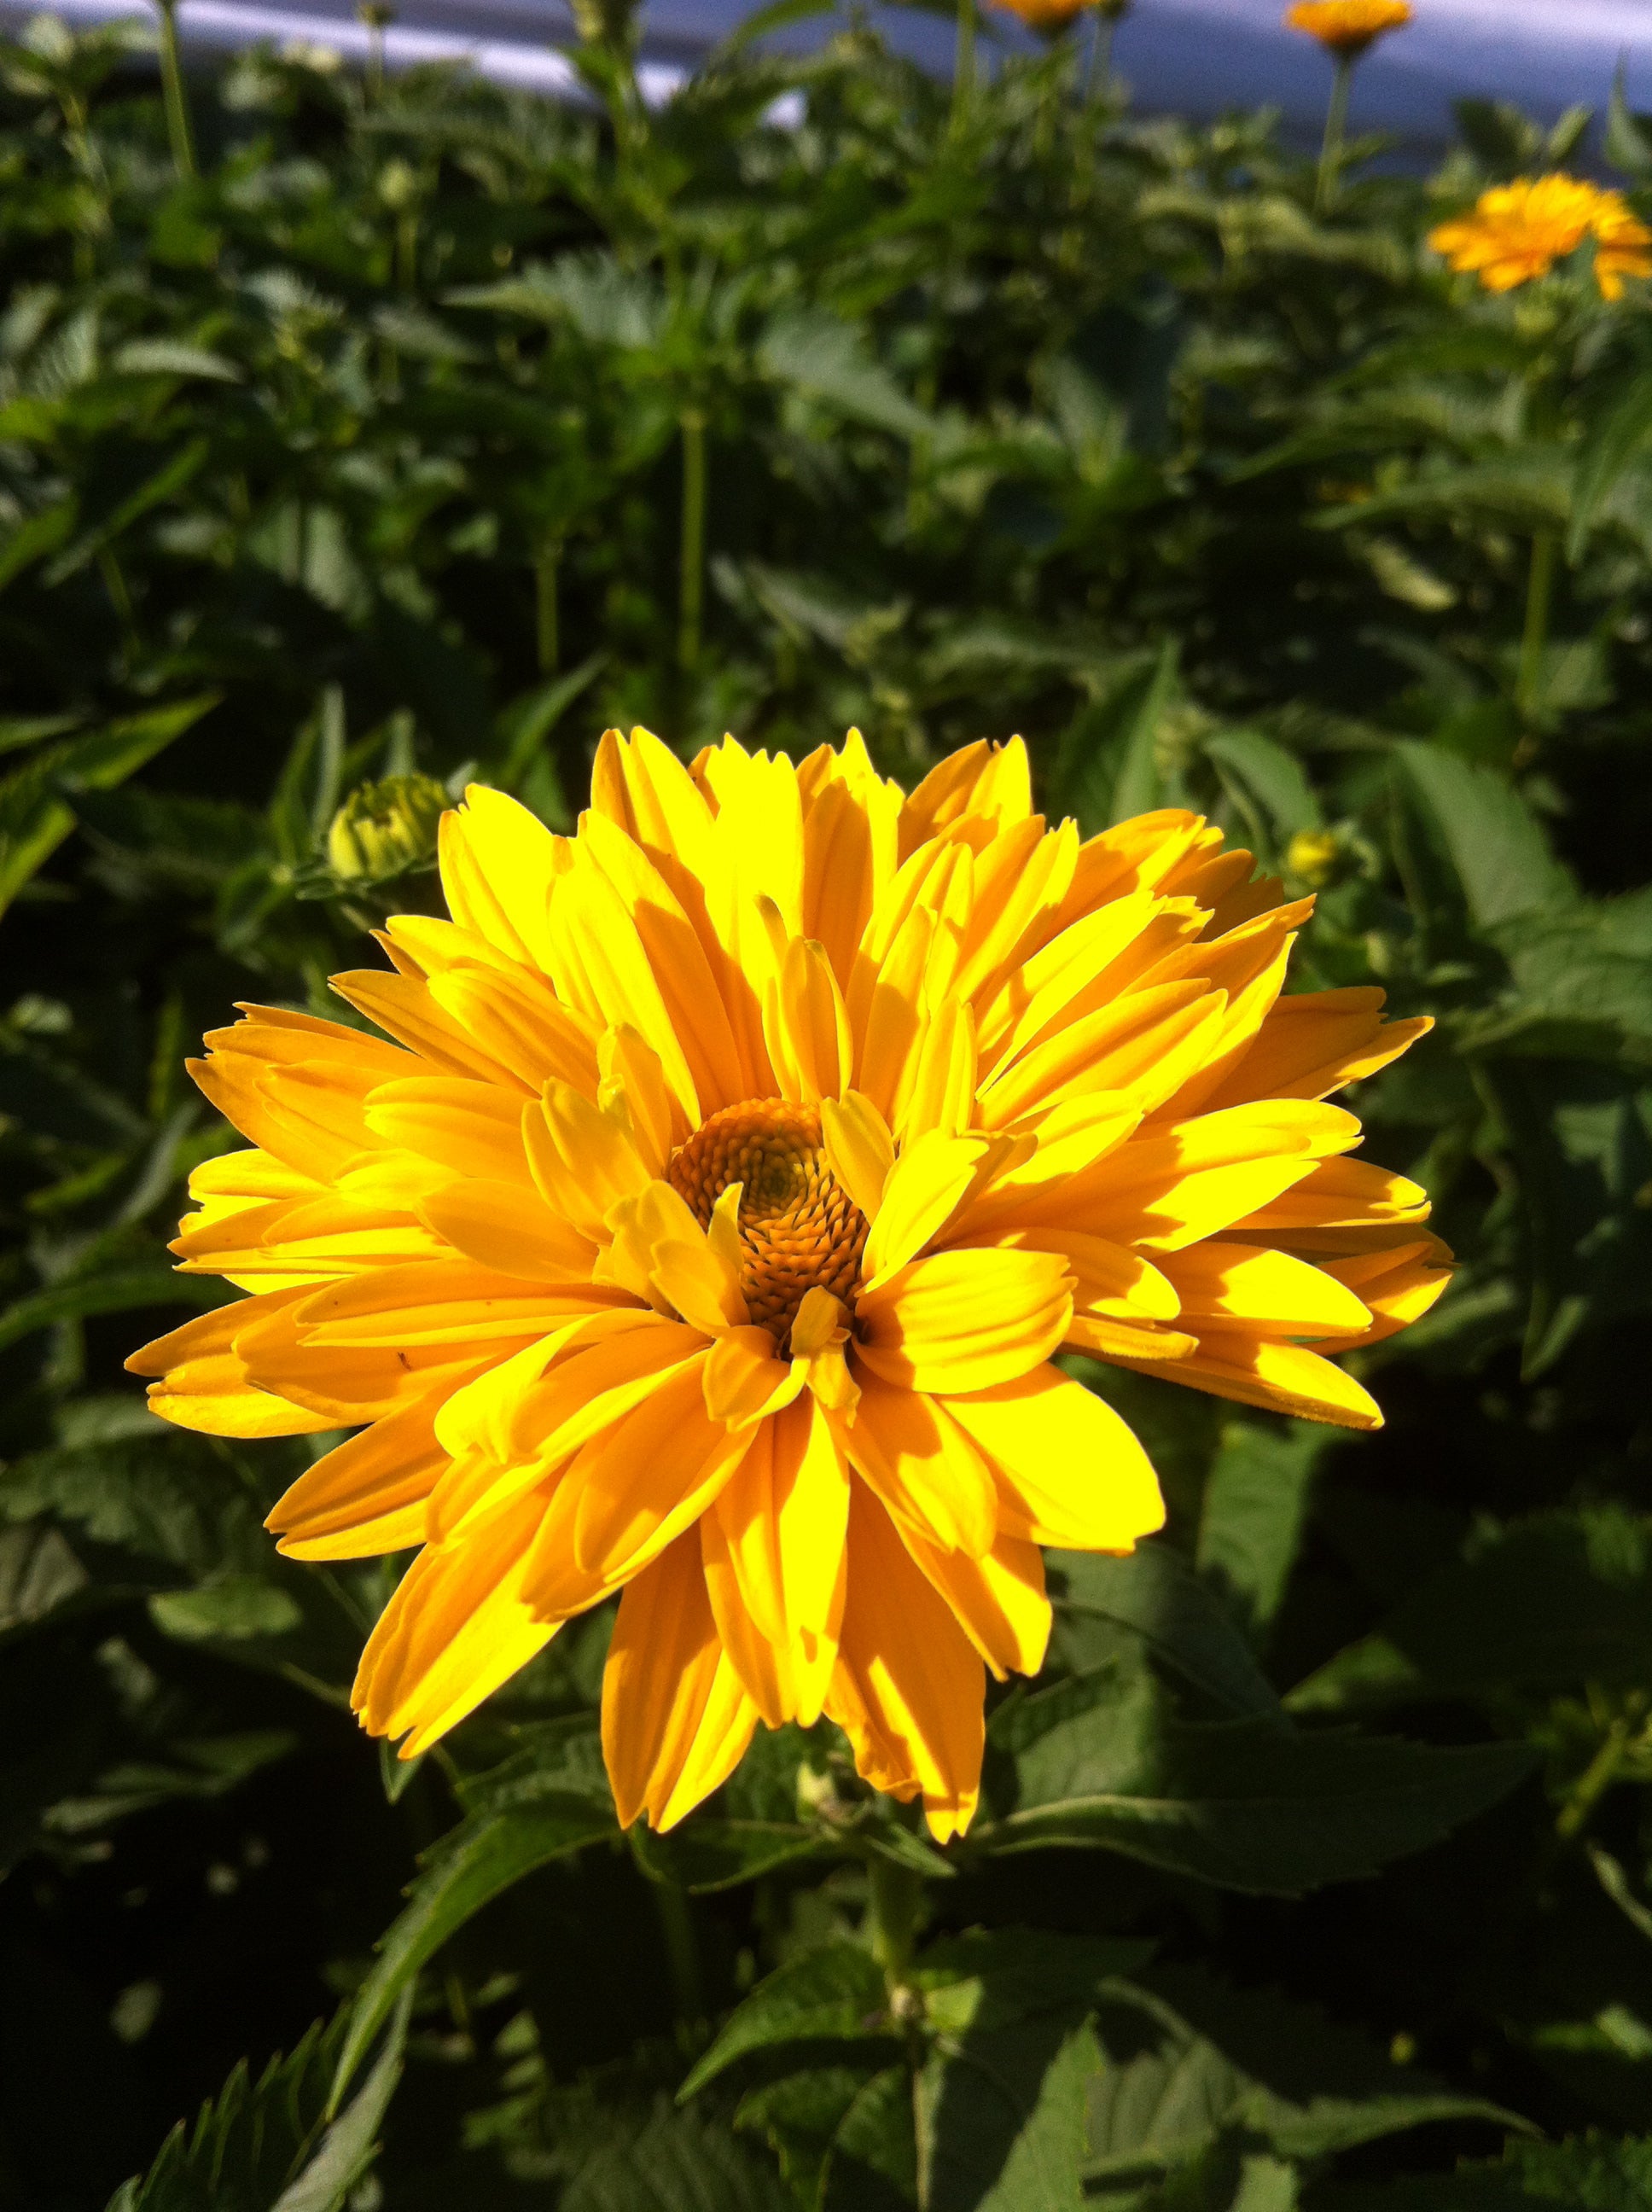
(1154, 1593)
(1252, 1516)
(832, 1995)
(678, 2162)
(1545, 1604)
(267, 2146)
(1098, 1762)
(468, 1869)
(1589, 2174)
(1500, 854)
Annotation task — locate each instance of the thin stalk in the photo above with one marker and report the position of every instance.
(682, 1951)
(546, 625)
(963, 65)
(178, 133)
(692, 568)
(895, 1895)
(1534, 638)
(1599, 1775)
(1336, 131)
(1098, 69)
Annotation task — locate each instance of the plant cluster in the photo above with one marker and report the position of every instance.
(359, 441)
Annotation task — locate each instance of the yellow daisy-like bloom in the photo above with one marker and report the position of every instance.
(1348, 26)
(708, 1234)
(1518, 232)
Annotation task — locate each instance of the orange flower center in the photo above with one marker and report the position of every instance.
(800, 1229)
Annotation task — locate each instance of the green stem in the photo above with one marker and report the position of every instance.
(545, 605)
(1598, 1777)
(1098, 69)
(681, 1952)
(1534, 639)
(179, 132)
(895, 1894)
(963, 65)
(1336, 130)
(691, 579)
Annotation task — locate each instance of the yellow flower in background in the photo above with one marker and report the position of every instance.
(1517, 232)
(1348, 26)
(708, 1232)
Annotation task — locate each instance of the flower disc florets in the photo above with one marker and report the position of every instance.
(800, 1229)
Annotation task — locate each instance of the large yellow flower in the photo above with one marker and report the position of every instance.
(708, 1233)
(1516, 232)
(1348, 26)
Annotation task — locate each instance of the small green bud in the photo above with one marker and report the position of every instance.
(383, 828)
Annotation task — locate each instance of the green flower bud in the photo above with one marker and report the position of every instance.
(383, 828)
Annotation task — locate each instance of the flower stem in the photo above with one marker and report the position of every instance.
(546, 625)
(178, 133)
(1539, 594)
(963, 65)
(1601, 1773)
(1098, 69)
(691, 581)
(682, 1951)
(1336, 130)
(894, 1896)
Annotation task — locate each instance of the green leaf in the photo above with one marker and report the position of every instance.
(705, 1854)
(823, 358)
(832, 1995)
(1589, 2174)
(1268, 783)
(1545, 1604)
(677, 2162)
(267, 2146)
(480, 1860)
(1098, 1762)
(1501, 856)
(1153, 1592)
(1189, 2060)
(1254, 1507)
(128, 1290)
(36, 801)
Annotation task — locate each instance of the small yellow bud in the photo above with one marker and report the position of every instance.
(1312, 856)
(383, 828)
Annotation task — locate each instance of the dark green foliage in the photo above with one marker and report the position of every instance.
(422, 432)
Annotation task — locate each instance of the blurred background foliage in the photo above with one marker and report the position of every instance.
(361, 438)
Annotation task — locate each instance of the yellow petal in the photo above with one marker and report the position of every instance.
(744, 1381)
(924, 1469)
(1266, 1293)
(365, 1496)
(927, 1185)
(511, 1230)
(455, 1628)
(438, 1302)
(497, 866)
(987, 782)
(585, 1162)
(404, 1007)
(997, 1600)
(469, 1128)
(1070, 1471)
(775, 1547)
(675, 1720)
(860, 1150)
(908, 1687)
(964, 1320)
(1285, 1378)
(942, 1094)
(807, 1025)
(203, 1382)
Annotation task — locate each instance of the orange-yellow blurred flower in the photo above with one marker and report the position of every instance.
(708, 1233)
(1049, 16)
(1517, 232)
(1348, 26)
